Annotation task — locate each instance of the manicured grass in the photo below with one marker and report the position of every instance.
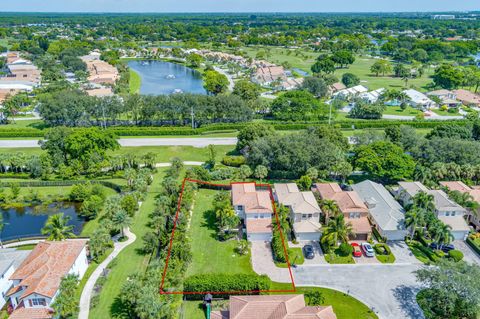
(209, 255)
(336, 258)
(130, 260)
(386, 259)
(446, 113)
(344, 306)
(26, 247)
(361, 68)
(397, 110)
(295, 256)
(416, 249)
(164, 153)
(135, 82)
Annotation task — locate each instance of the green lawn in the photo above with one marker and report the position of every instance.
(135, 82)
(446, 113)
(209, 255)
(396, 110)
(295, 256)
(164, 153)
(129, 260)
(26, 247)
(336, 258)
(344, 306)
(361, 68)
(416, 248)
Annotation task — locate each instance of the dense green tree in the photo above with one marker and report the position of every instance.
(91, 207)
(325, 65)
(452, 290)
(385, 161)
(350, 79)
(315, 85)
(247, 90)
(194, 60)
(451, 131)
(215, 82)
(99, 242)
(381, 67)
(343, 58)
(365, 110)
(251, 132)
(121, 220)
(448, 77)
(298, 105)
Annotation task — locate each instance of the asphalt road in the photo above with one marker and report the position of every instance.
(388, 289)
(136, 142)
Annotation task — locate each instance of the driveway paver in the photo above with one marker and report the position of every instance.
(403, 254)
(470, 256)
(319, 258)
(262, 262)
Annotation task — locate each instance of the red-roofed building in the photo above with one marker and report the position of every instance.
(37, 279)
(351, 206)
(254, 207)
(472, 217)
(273, 307)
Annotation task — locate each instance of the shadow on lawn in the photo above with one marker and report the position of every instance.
(209, 221)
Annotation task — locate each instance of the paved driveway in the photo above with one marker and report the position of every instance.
(469, 255)
(388, 289)
(403, 254)
(319, 258)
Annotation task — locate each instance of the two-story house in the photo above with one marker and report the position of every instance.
(304, 210)
(472, 217)
(446, 210)
(386, 214)
(37, 280)
(254, 207)
(350, 205)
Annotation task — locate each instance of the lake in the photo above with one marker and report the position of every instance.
(160, 77)
(21, 222)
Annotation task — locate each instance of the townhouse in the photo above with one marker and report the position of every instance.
(472, 217)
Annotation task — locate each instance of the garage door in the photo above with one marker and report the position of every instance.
(459, 235)
(259, 236)
(360, 237)
(308, 236)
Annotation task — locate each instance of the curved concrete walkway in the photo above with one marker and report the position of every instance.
(23, 243)
(88, 289)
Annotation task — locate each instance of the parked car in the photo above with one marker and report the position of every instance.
(445, 248)
(368, 250)
(357, 252)
(308, 251)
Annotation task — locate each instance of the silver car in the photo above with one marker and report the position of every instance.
(368, 250)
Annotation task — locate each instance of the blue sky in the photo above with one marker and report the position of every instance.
(237, 5)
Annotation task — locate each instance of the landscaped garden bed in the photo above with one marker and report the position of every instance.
(384, 253)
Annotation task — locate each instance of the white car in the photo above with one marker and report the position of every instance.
(368, 250)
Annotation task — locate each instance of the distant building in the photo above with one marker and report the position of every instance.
(467, 98)
(269, 75)
(37, 279)
(372, 96)
(473, 217)
(100, 71)
(446, 97)
(352, 92)
(443, 17)
(273, 307)
(419, 100)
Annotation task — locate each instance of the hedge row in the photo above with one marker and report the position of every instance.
(473, 245)
(240, 284)
(6, 132)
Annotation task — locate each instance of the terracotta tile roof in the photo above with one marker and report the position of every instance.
(31, 313)
(300, 202)
(461, 187)
(275, 307)
(360, 225)
(43, 269)
(253, 200)
(348, 202)
(263, 225)
(467, 97)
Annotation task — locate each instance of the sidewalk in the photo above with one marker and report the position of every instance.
(88, 289)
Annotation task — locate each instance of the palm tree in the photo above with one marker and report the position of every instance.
(337, 230)
(121, 220)
(425, 201)
(442, 234)
(329, 208)
(414, 218)
(57, 228)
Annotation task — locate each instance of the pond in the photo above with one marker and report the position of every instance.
(22, 222)
(160, 77)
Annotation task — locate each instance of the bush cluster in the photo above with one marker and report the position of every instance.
(235, 161)
(278, 247)
(456, 255)
(225, 282)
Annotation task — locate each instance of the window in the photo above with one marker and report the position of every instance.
(453, 213)
(447, 213)
(304, 216)
(37, 302)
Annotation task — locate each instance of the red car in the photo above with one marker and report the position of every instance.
(357, 252)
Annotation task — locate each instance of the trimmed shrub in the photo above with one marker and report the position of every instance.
(456, 255)
(382, 249)
(471, 242)
(234, 161)
(345, 249)
(278, 247)
(237, 283)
